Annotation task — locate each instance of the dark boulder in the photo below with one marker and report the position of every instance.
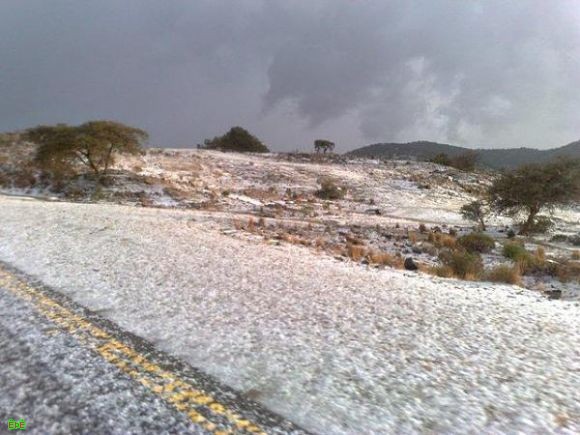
(410, 264)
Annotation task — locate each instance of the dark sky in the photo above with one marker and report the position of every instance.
(493, 73)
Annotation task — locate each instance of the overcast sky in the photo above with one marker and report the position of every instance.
(493, 73)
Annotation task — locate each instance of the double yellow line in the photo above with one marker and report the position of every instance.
(201, 408)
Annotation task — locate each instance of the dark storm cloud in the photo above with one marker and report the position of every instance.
(495, 73)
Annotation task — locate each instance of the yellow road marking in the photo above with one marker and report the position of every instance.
(201, 408)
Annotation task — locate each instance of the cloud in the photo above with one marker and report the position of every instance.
(482, 73)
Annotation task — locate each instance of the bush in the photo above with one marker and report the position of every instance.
(237, 139)
(477, 242)
(330, 190)
(505, 273)
(568, 271)
(442, 271)
(515, 251)
(356, 252)
(465, 161)
(527, 262)
(385, 259)
(465, 265)
(440, 240)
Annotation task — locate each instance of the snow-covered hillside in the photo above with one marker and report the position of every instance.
(337, 347)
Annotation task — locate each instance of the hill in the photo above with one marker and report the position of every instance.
(493, 158)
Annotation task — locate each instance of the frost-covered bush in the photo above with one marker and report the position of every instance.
(504, 273)
(330, 190)
(477, 242)
(465, 265)
(515, 251)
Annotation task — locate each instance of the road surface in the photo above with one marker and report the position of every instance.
(65, 370)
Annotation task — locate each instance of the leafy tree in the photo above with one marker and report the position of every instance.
(530, 189)
(92, 144)
(324, 145)
(475, 211)
(236, 139)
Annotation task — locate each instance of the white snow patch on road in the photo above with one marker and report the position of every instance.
(333, 346)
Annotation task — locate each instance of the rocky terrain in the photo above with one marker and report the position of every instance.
(374, 212)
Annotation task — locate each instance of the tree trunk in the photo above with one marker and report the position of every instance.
(482, 224)
(530, 220)
(108, 159)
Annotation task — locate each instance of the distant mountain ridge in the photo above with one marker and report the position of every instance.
(493, 158)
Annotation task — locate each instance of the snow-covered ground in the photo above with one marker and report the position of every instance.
(334, 346)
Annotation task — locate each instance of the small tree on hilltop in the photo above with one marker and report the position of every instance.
(92, 144)
(323, 145)
(477, 212)
(533, 188)
(236, 139)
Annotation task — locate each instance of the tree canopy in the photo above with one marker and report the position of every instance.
(236, 139)
(533, 188)
(92, 144)
(323, 145)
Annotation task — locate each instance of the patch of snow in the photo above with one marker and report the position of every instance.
(333, 346)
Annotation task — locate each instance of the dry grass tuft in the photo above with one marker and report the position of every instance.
(441, 271)
(356, 252)
(440, 240)
(505, 273)
(541, 254)
(576, 255)
(384, 259)
(412, 237)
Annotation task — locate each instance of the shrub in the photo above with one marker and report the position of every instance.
(477, 242)
(441, 159)
(355, 252)
(568, 271)
(504, 273)
(576, 255)
(385, 259)
(515, 251)
(236, 139)
(465, 161)
(465, 265)
(422, 228)
(540, 254)
(330, 190)
(526, 262)
(441, 271)
(441, 240)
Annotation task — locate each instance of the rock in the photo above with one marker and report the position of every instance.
(554, 294)
(410, 264)
(416, 250)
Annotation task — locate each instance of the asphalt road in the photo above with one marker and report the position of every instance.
(63, 369)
